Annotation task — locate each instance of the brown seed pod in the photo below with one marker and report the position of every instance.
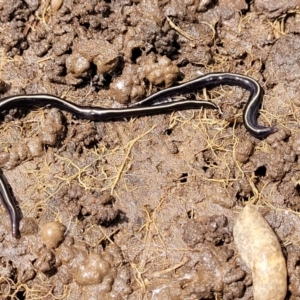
(258, 246)
(56, 4)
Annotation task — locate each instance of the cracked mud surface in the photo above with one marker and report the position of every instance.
(144, 208)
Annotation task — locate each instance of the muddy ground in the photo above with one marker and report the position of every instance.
(144, 208)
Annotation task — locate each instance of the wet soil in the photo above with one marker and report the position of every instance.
(144, 208)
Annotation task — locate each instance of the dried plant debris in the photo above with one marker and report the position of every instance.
(144, 208)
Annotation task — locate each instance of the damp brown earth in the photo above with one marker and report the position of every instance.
(144, 208)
